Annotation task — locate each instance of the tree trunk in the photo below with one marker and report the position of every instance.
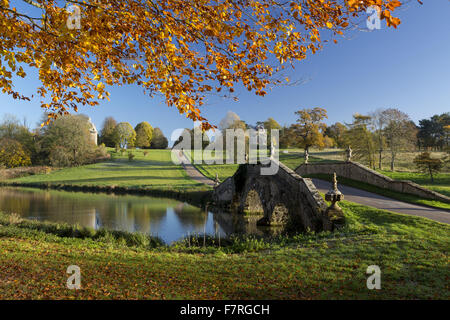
(431, 174)
(392, 162)
(379, 161)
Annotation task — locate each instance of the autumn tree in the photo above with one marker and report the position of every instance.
(271, 124)
(180, 50)
(159, 141)
(194, 134)
(108, 134)
(336, 132)
(309, 128)
(126, 135)
(144, 134)
(230, 119)
(12, 128)
(287, 137)
(428, 165)
(328, 142)
(361, 139)
(238, 127)
(400, 132)
(12, 154)
(379, 121)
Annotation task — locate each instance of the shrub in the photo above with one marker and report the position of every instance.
(59, 157)
(12, 154)
(130, 156)
(14, 173)
(67, 141)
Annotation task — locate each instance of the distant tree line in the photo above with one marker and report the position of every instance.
(384, 130)
(68, 140)
(123, 135)
(370, 136)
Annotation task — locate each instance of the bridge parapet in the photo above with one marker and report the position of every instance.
(358, 172)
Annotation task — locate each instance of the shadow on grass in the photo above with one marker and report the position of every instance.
(135, 168)
(113, 179)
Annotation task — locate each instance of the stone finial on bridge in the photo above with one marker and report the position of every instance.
(216, 181)
(334, 212)
(349, 154)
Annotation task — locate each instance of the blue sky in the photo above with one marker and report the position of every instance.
(406, 68)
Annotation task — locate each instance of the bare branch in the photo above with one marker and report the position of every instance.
(35, 4)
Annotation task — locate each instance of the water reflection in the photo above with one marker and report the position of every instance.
(163, 217)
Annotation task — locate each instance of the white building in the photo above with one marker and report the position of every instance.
(93, 131)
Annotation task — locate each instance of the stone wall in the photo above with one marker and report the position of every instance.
(358, 172)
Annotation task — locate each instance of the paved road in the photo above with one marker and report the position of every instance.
(380, 202)
(192, 172)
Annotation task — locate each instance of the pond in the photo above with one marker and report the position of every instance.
(166, 218)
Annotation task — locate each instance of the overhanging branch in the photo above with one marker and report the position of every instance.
(33, 3)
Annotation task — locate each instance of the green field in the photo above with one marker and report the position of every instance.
(291, 158)
(412, 253)
(155, 170)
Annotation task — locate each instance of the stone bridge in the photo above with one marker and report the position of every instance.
(284, 199)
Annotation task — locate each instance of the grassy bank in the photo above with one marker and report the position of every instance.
(412, 253)
(154, 170)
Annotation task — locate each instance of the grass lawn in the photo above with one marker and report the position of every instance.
(155, 170)
(412, 253)
(210, 170)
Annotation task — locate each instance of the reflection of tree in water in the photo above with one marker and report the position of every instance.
(43, 205)
(127, 215)
(191, 217)
(130, 213)
(11, 203)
